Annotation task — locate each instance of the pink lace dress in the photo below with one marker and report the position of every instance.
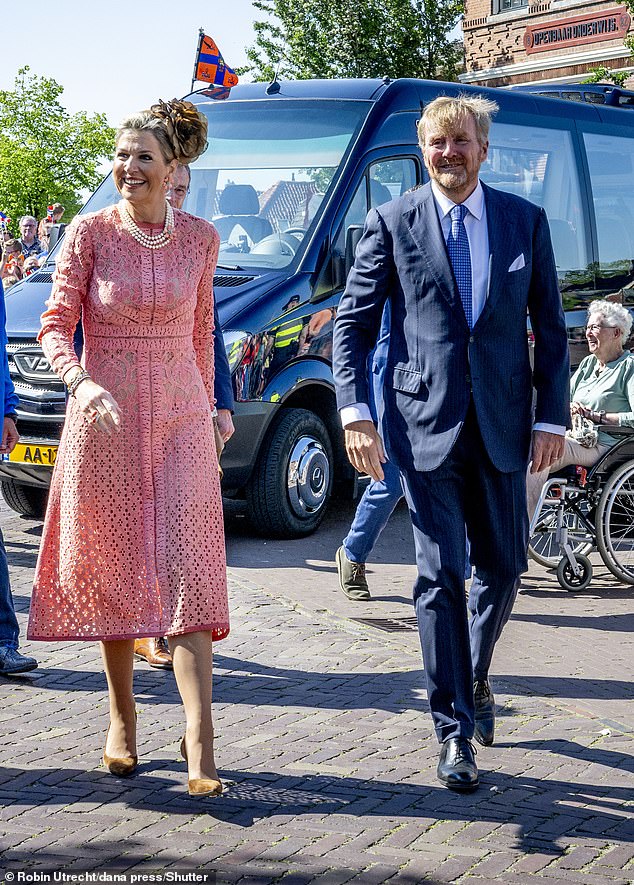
(133, 541)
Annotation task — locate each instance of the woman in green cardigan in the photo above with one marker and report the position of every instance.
(601, 390)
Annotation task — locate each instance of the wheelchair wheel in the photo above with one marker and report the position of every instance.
(567, 578)
(615, 523)
(543, 546)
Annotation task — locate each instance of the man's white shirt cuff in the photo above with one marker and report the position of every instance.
(355, 412)
(361, 412)
(550, 428)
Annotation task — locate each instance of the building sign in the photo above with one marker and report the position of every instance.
(610, 24)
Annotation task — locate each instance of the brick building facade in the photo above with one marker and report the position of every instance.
(519, 41)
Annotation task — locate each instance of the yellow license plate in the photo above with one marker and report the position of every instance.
(25, 453)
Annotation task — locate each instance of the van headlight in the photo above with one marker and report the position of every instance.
(235, 345)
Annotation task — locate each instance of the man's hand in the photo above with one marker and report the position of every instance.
(225, 424)
(10, 436)
(546, 449)
(365, 449)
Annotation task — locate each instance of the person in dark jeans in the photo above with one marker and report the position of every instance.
(11, 661)
(380, 497)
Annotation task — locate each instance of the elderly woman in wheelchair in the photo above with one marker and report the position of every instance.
(564, 514)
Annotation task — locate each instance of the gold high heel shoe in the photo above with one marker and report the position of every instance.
(120, 766)
(200, 786)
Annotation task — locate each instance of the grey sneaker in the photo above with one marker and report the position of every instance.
(352, 577)
(11, 661)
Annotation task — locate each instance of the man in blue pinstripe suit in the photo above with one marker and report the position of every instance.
(460, 263)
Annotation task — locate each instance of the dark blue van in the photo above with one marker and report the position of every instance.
(595, 93)
(289, 175)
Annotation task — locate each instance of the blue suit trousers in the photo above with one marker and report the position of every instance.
(465, 491)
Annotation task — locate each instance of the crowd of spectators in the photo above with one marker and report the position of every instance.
(23, 255)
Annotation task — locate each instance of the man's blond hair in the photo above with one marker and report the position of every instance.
(445, 113)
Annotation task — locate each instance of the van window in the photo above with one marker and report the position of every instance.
(611, 164)
(539, 164)
(381, 183)
(265, 173)
(391, 178)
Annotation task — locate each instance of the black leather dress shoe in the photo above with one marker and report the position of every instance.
(457, 767)
(484, 713)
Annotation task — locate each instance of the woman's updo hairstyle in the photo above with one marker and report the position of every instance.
(180, 129)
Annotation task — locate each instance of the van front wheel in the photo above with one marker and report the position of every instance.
(26, 500)
(291, 484)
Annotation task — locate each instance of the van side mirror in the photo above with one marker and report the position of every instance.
(54, 233)
(353, 235)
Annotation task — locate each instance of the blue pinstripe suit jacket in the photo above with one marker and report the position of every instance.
(435, 364)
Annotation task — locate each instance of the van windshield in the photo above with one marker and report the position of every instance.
(265, 174)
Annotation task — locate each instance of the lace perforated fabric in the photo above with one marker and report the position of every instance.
(133, 541)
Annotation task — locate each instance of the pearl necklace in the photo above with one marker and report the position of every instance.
(148, 241)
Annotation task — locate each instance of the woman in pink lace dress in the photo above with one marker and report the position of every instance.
(133, 540)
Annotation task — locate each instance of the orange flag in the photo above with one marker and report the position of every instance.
(210, 65)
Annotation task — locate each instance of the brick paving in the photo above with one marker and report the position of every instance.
(324, 741)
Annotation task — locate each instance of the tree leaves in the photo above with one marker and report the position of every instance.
(306, 39)
(602, 74)
(46, 154)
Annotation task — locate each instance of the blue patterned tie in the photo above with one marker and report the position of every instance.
(458, 248)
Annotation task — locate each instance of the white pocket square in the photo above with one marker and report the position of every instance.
(518, 264)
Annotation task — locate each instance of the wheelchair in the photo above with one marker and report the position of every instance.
(580, 510)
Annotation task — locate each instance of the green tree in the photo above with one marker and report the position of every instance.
(602, 74)
(356, 38)
(46, 154)
(607, 75)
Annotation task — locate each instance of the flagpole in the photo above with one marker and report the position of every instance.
(201, 35)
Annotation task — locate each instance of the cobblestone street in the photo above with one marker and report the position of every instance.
(324, 742)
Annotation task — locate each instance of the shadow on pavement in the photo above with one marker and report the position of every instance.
(599, 589)
(543, 810)
(246, 682)
(246, 549)
(251, 682)
(622, 623)
(131, 857)
(566, 687)
(406, 600)
(591, 755)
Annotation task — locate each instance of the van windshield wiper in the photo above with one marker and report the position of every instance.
(229, 267)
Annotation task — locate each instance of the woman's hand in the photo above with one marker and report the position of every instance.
(99, 408)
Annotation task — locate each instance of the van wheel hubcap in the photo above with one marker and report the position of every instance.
(308, 476)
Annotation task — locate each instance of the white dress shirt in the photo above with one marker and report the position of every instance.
(475, 222)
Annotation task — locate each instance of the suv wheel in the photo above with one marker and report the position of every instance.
(291, 484)
(26, 500)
